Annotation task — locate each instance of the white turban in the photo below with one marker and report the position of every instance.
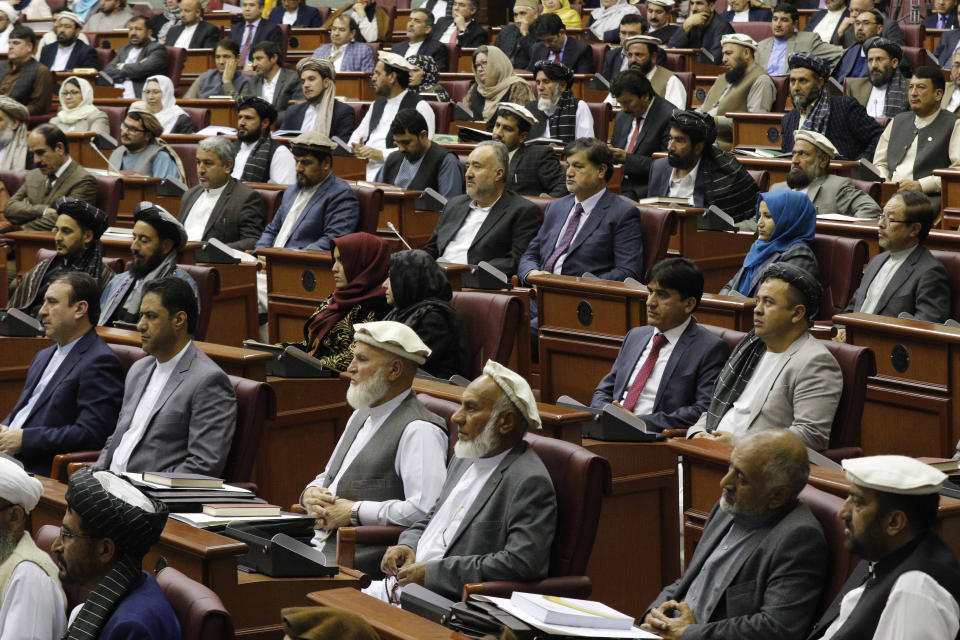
(8, 9)
(517, 389)
(17, 486)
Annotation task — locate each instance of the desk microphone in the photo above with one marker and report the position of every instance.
(397, 233)
(110, 169)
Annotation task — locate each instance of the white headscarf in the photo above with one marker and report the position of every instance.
(168, 115)
(17, 486)
(82, 110)
(603, 19)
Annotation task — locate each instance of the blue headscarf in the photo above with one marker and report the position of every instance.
(795, 218)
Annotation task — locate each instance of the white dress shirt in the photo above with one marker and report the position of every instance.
(309, 117)
(269, 87)
(741, 16)
(283, 168)
(33, 607)
(736, 419)
(904, 170)
(199, 213)
(684, 187)
(293, 215)
(882, 279)
(439, 9)
(828, 25)
(954, 100)
(588, 206)
(413, 48)
(63, 57)
(877, 101)
(448, 34)
(456, 250)
(183, 40)
(59, 355)
(289, 17)
(648, 394)
(584, 121)
(377, 138)
(138, 424)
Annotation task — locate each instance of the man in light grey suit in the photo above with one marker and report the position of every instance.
(497, 512)
(788, 39)
(761, 563)
(779, 376)
(179, 408)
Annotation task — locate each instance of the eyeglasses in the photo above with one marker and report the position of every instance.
(66, 535)
(392, 597)
(124, 125)
(71, 92)
(886, 220)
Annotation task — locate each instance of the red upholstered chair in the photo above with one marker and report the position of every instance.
(176, 58)
(602, 114)
(599, 53)
(208, 286)
(445, 409)
(371, 202)
(256, 403)
(756, 30)
(917, 56)
(359, 110)
(840, 261)
(951, 261)
(115, 115)
(491, 321)
(109, 194)
(324, 13)
(12, 180)
(284, 41)
(783, 90)
(826, 508)
(199, 115)
(458, 89)
(913, 34)
(687, 79)
(676, 61)
(271, 201)
(761, 177)
(375, 47)
(453, 56)
(188, 156)
(872, 189)
(104, 56)
(443, 115)
(128, 355)
(199, 610)
(656, 227)
(44, 538)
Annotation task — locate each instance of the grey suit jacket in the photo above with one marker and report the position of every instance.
(776, 591)
(800, 41)
(507, 532)
(237, 218)
(151, 60)
(920, 287)
(288, 88)
(190, 428)
(803, 393)
(836, 194)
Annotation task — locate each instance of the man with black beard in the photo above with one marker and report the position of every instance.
(559, 114)
(853, 63)
(157, 236)
(641, 53)
(68, 52)
(745, 86)
(260, 158)
(884, 91)
(388, 467)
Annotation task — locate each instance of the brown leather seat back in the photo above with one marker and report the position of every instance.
(208, 286)
(458, 89)
(115, 115)
(491, 321)
(857, 364)
(602, 114)
(840, 261)
(271, 201)
(756, 30)
(12, 180)
(188, 156)
(127, 354)
(443, 115)
(656, 227)
(870, 188)
(104, 56)
(913, 34)
(687, 80)
(453, 56)
(730, 336)
(782, 83)
(359, 110)
(826, 507)
(109, 194)
(600, 50)
(371, 203)
(256, 403)
(199, 610)
(176, 58)
(199, 115)
(761, 177)
(951, 261)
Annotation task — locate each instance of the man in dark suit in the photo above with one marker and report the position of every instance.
(192, 32)
(488, 223)
(944, 15)
(419, 42)
(752, 14)
(72, 393)
(891, 28)
(616, 59)
(220, 206)
(641, 129)
(761, 563)
(853, 63)
(516, 38)
(461, 27)
(303, 15)
(660, 20)
(947, 47)
(702, 29)
(251, 29)
(555, 44)
(826, 22)
(137, 60)
(273, 82)
(317, 86)
(534, 168)
(665, 371)
(69, 52)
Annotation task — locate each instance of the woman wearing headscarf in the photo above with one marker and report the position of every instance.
(77, 113)
(419, 291)
(786, 222)
(158, 94)
(360, 265)
(609, 15)
(495, 83)
(571, 19)
(426, 79)
(162, 23)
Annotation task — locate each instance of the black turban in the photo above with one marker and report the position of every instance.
(263, 108)
(84, 213)
(800, 279)
(803, 59)
(699, 126)
(892, 48)
(556, 71)
(163, 221)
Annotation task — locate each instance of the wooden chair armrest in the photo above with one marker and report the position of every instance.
(349, 537)
(675, 433)
(66, 463)
(297, 508)
(567, 586)
(842, 453)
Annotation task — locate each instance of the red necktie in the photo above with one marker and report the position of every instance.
(633, 136)
(246, 44)
(644, 374)
(456, 33)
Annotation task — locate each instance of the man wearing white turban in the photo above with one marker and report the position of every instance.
(32, 603)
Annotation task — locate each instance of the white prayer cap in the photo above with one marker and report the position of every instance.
(396, 61)
(894, 474)
(7, 8)
(518, 110)
(70, 15)
(517, 389)
(17, 486)
(395, 337)
(632, 40)
(818, 140)
(663, 3)
(741, 39)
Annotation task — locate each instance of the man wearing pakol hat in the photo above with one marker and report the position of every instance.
(908, 580)
(642, 54)
(516, 38)
(55, 175)
(13, 134)
(497, 512)
(559, 114)
(841, 119)
(917, 142)
(260, 158)
(884, 91)
(534, 169)
(372, 139)
(157, 236)
(72, 392)
(853, 63)
(179, 408)
(660, 19)
(50, 37)
(108, 527)
(701, 172)
(76, 238)
(69, 52)
(702, 29)
(772, 53)
(321, 112)
(779, 376)
(141, 148)
(809, 172)
(32, 602)
(761, 563)
(389, 465)
(744, 87)
(23, 78)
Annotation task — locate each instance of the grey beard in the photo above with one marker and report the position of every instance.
(6, 137)
(7, 544)
(482, 445)
(363, 395)
(547, 104)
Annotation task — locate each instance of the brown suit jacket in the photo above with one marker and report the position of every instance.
(31, 206)
(859, 89)
(947, 94)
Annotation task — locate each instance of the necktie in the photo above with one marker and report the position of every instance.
(567, 238)
(455, 35)
(247, 43)
(644, 374)
(940, 21)
(633, 136)
(449, 10)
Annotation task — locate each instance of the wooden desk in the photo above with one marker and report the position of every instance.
(308, 39)
(932, 39)
(220, 18)
(16, 354)
(296, 282)
(949, 197)
(756, 129)
(198, 61)
(390, 622)
(356, 85)
(939, 239)
(234, 316)
(718, 254)
(399, 207)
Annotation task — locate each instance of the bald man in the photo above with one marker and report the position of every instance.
(192, 32)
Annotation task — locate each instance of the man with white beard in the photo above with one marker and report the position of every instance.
(13, 134)
(559, 114)
(388, 466)
(497, 513)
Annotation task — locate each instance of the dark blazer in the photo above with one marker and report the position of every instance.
(77, 409)
(576, 54)
(799, 254)
(846, 66)
(946, 46)
(609, 245)
(288, 89)
(755, 15)
(429, 47)
(184, 124)
(332, 211)
(665, 33)
(474, 36)
(205, 37)
(820, 15)
(777, 589)
(849, 128)
(653, 137)
(266, 30)
(342, 123)
(535, 169)
(920, 287)
(703, 38)
(306, 17)
(502, 237)
(515, 45)
(930, 22)
(144, 613)
(686, 386)
(236, 220)
(612, 62)
(891, 31)
(658, 184)
(151, 61)
(83, 56)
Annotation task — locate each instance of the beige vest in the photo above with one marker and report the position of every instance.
(736, 98)
(27, 551)
(660, 79)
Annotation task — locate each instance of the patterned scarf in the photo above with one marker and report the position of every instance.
(36, 280)
(257, 168)
(734, 377)
(729, 186)
(132, 304)
(896, 99)
(819, 114)
(563, 121)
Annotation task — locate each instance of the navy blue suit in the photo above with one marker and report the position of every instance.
(946, 46)
(850, 129)
(83, 56)
(755, 15)
(930, 22)
(306, 17)
(332, 211)
(77, 409)
(429, 47)
(686, 386)
(266, 30)
(576, 54)
(144, 614)
(819, 15)
(851, 65)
